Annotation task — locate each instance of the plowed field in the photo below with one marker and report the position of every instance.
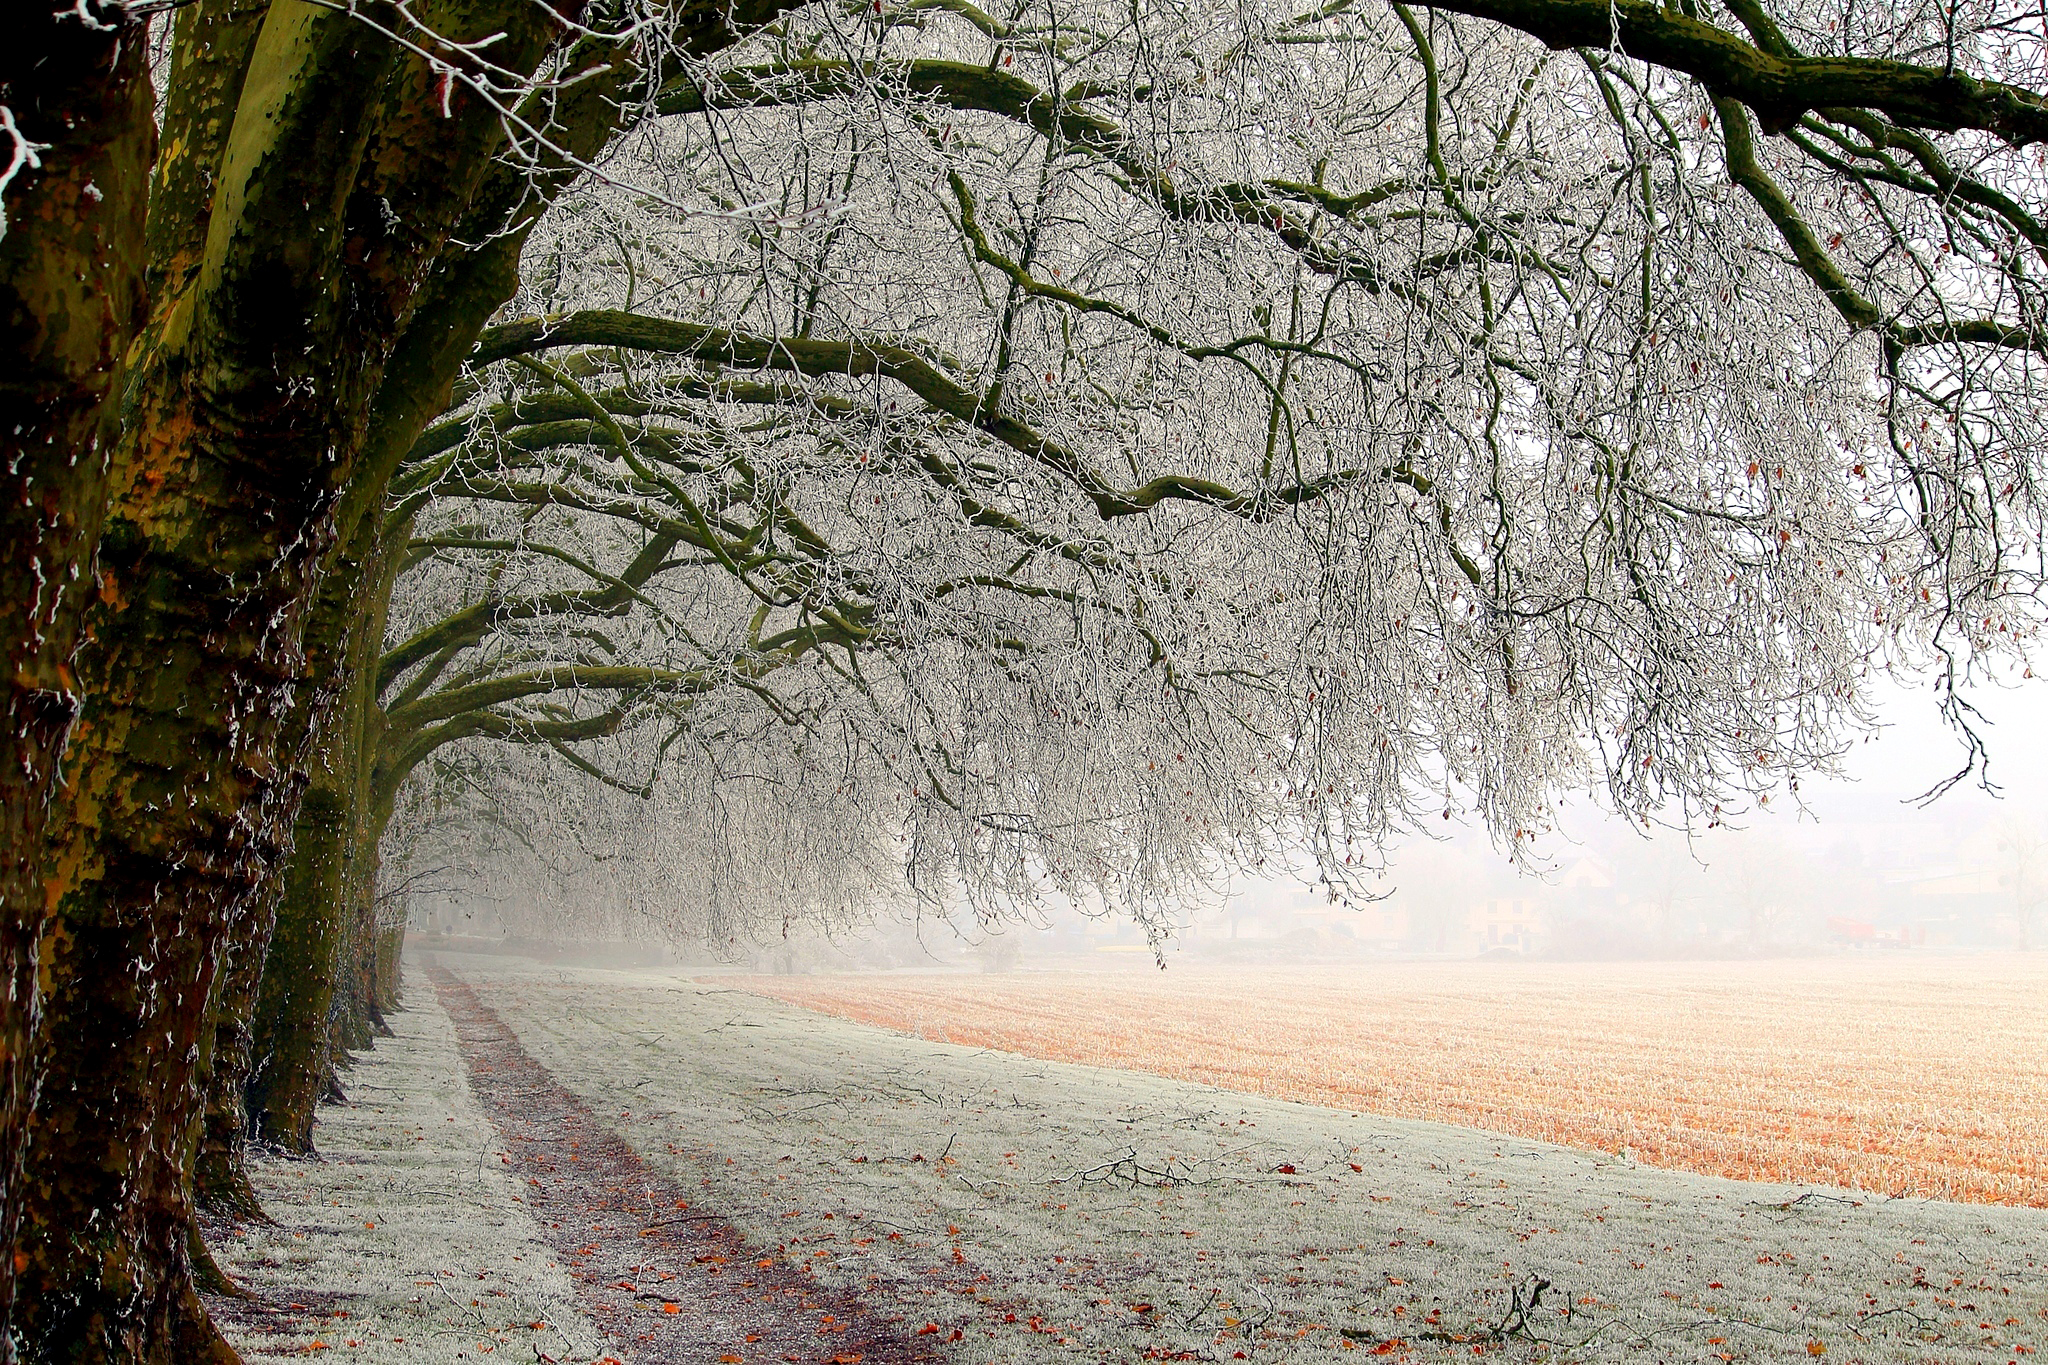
(1906, 1076)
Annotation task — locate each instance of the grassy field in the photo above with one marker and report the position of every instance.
(1006, 1210)
(1905, 1075)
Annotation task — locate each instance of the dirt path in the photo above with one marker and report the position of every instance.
(665, 1278)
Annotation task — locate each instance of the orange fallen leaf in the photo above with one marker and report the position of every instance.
(1815, 1348)
(677, 1308)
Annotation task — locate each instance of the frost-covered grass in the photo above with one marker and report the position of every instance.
(1049, 1211)
(1898, 1073)
(405, 1243)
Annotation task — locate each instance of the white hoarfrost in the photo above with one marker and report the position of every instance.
(406, 1241)
(1046, 1211)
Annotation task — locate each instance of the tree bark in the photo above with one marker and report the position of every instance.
(299, 979)
(334, 188)
(71, 300)
(308, 959)
(220, 1172)
(390, 966)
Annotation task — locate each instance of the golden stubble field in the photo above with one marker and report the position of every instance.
(1903, 1075)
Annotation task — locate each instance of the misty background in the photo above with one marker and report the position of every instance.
(1860, 864)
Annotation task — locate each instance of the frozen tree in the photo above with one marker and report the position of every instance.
(1194, 430)
(1370, 468)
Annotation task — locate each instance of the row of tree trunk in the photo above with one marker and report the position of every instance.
(223, 320)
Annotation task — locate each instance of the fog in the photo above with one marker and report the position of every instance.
(1861, 863)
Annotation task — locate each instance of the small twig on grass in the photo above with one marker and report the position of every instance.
(461, 1308)
(1514, 1323)
(1128, 1171)
(1717, 1320)
(1516, 1320)
(1804, 1200)
(1921, 1322)
(1251, 1328)
(685, 1218)
(1214, 1296)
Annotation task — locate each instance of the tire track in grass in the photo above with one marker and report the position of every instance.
(669, 1282)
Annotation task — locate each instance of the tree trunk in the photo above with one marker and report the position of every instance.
(308, 962)
(71, 300)
(334, 186)
(390, 962)
(300, 976)
(351, 1028)
(220, 1172)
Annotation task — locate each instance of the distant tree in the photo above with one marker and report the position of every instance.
(2023, 849)
(1771, 885)
(1658, 874)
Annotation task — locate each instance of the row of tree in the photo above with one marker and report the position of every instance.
(1073, 449)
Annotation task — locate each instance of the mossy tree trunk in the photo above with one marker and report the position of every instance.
(319, 181)
(309, 949)
(390, 966)
(220, 1174)
(71, 300)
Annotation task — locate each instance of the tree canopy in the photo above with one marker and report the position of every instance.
(1149, 439)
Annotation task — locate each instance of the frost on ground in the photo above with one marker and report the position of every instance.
(1902, 1073)
(1017, 1210)
(405, 1242)
(665, 1278)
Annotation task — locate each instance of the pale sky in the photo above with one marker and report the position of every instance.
(1871, 805)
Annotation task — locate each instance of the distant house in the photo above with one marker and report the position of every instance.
(1513, 922)
(1376, 924)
